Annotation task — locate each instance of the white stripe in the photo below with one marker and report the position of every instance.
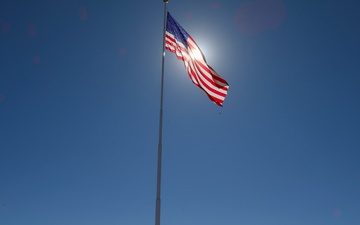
(202, 80)
(206, 74)
(189, 63)
(209, 76)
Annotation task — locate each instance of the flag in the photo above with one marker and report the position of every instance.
(178, 41)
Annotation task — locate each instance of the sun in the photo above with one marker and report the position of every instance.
(196, 54)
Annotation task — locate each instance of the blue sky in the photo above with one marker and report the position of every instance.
(79, 110)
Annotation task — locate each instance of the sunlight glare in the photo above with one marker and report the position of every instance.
(196, 54)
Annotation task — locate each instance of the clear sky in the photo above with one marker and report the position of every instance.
(79, 114)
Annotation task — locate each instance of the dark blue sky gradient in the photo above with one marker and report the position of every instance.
(79, 110)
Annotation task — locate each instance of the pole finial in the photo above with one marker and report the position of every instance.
(166, 1)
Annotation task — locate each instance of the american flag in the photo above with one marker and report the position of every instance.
(178, 41)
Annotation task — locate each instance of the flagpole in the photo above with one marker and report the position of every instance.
(158, 179)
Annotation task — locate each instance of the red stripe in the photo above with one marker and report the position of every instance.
(199, 64)
(209, 88)
(204, 77)
(207, 68)
(204, 86)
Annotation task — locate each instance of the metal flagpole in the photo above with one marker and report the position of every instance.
(158, 183)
